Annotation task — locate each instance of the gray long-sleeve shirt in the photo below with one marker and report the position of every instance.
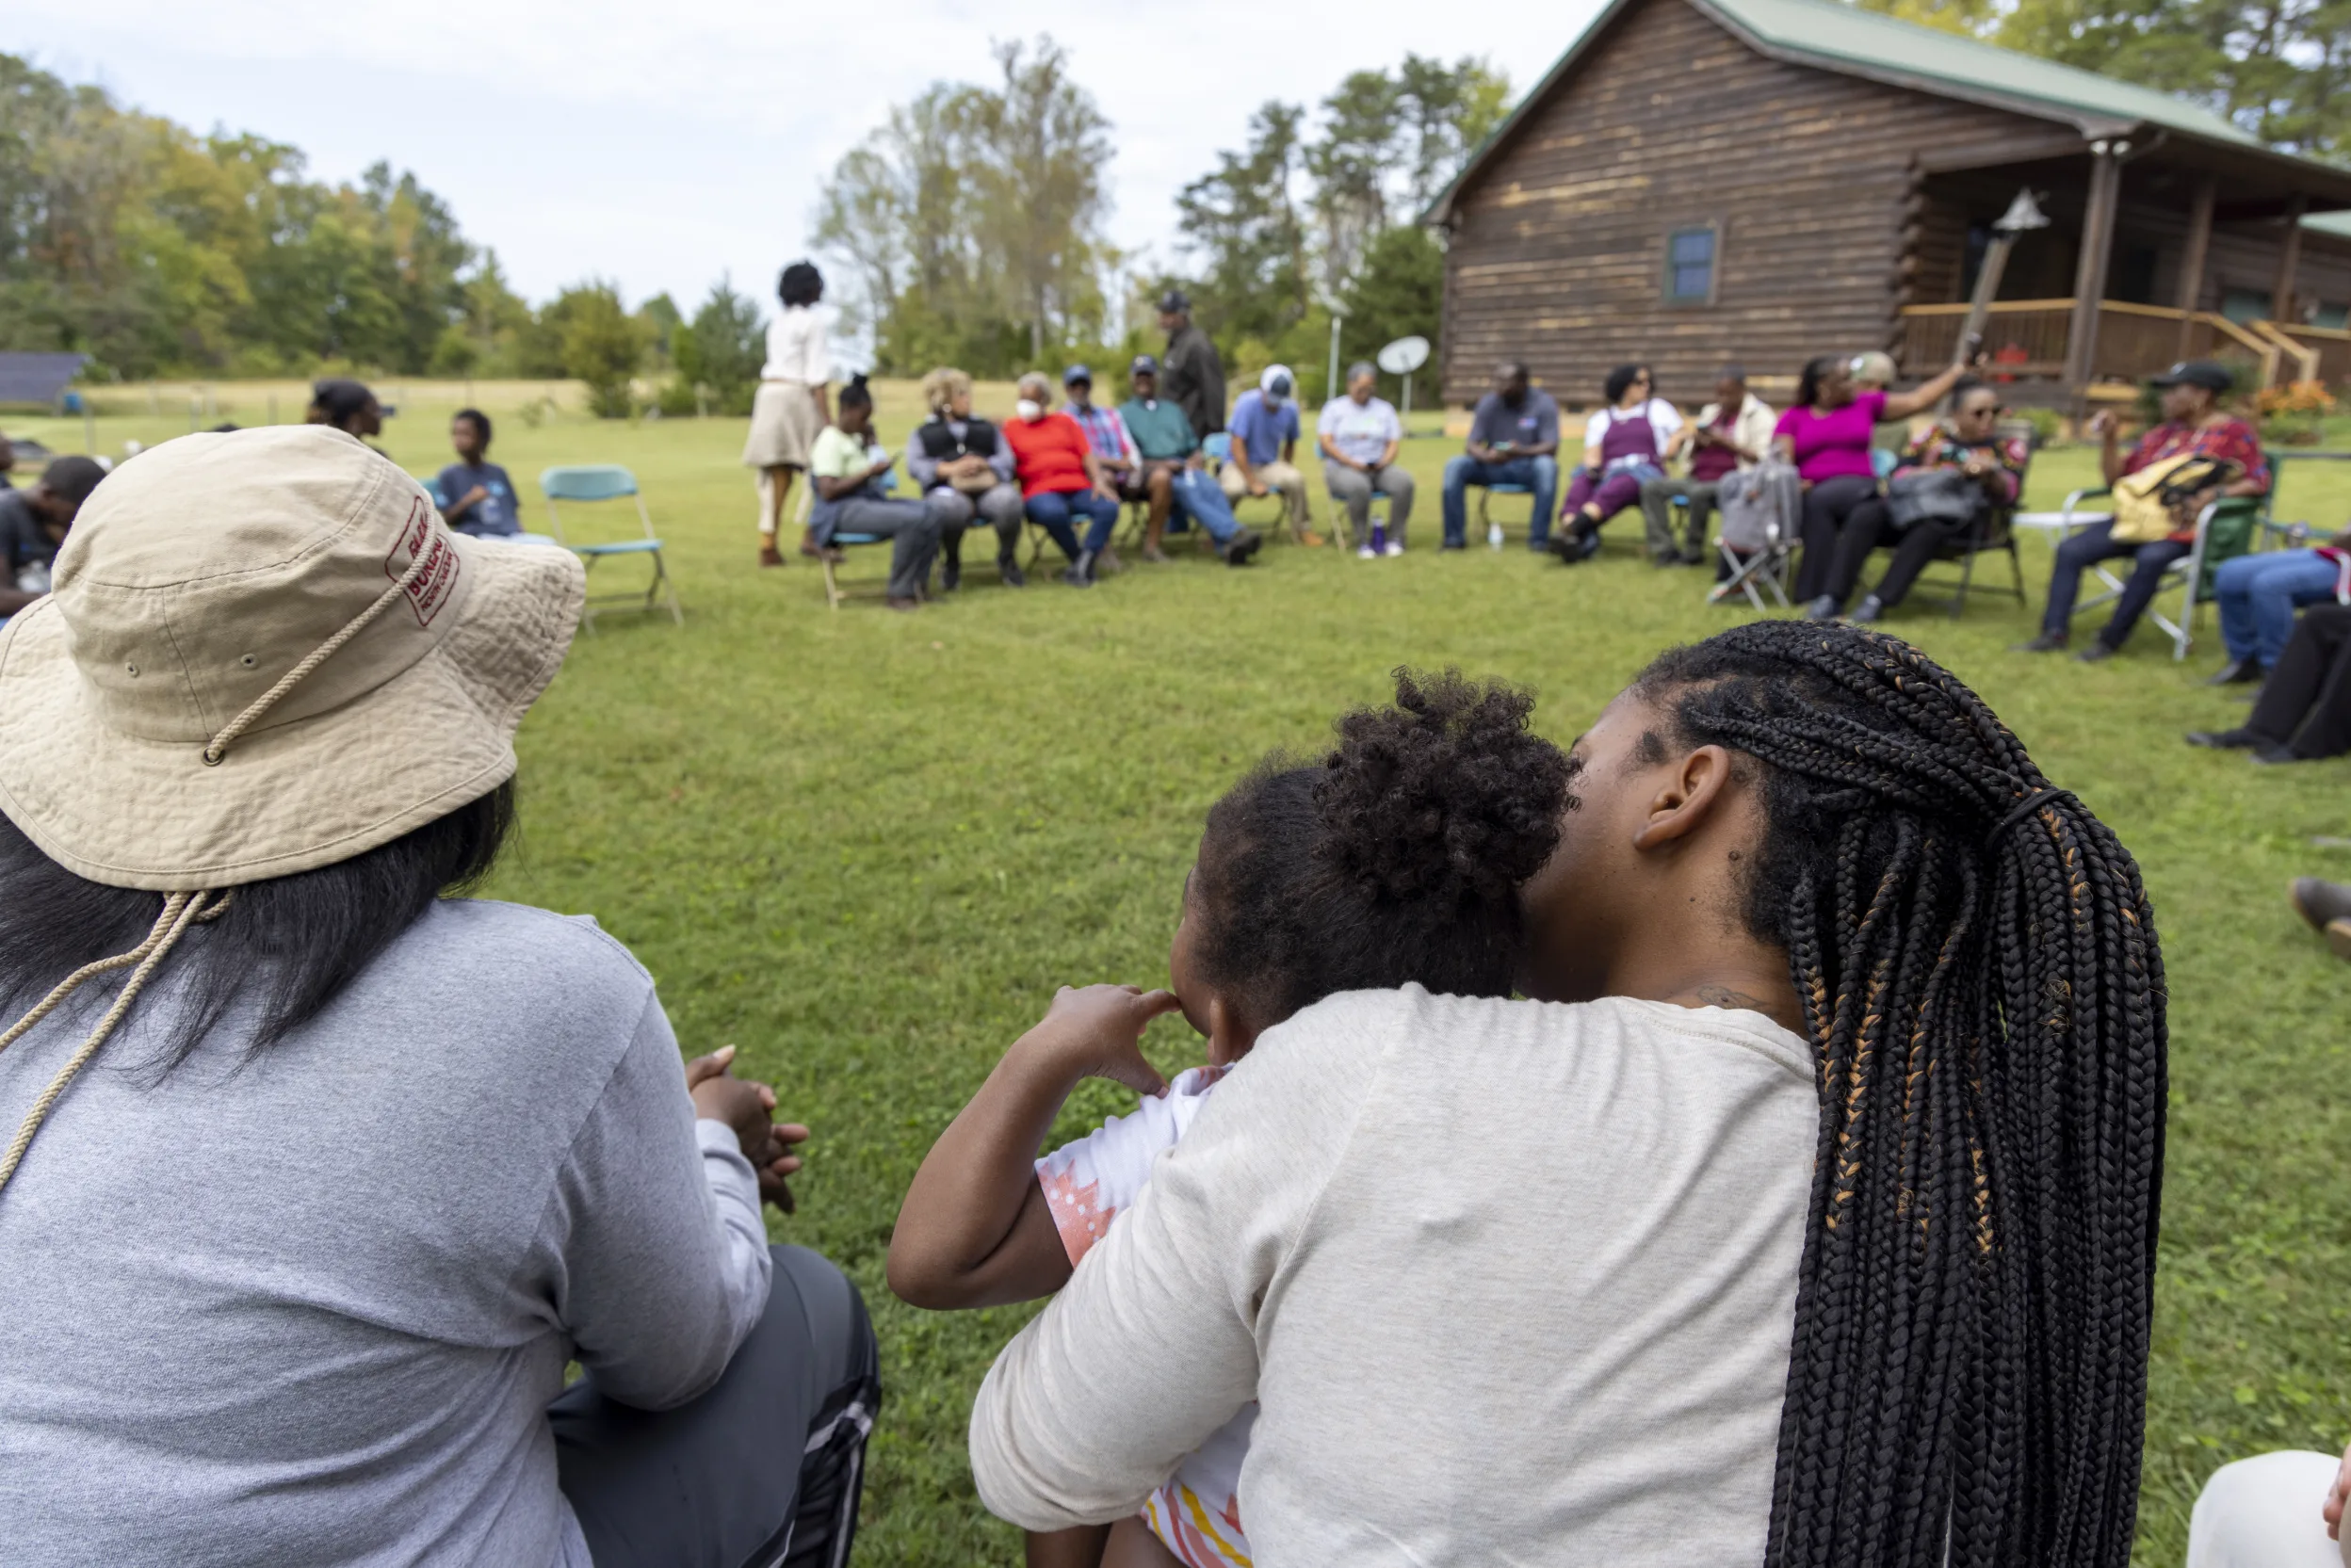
(310, 1308)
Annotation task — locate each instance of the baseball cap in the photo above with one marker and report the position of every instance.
(1176, 302)
(2207, 374)
(1145, 365)
(1276, 384)
(1076, 372)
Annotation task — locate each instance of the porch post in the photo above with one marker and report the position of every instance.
(2289, 261)
(2089, 274)
(2192, 262)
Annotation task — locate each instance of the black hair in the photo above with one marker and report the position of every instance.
(1816, 370)
(1622, 378)
(1396, 857)
(72, 478)
(337, 402)
(801, 284)
(481, 423)
(287, 946)
(856, 395)
(1982, 985)
(1965, 386)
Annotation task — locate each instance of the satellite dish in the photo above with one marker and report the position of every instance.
(1405, 356)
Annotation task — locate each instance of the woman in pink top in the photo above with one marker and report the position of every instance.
(1827, 435)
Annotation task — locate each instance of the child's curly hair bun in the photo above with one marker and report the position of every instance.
(1446, 796)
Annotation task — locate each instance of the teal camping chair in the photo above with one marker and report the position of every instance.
(610, 483)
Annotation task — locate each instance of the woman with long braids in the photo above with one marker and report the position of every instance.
(1806, 1216)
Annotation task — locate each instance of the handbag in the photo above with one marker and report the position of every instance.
(1931, 496)
(2148, 504)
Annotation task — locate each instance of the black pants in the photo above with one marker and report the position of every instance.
(1914, 547)
(763, 1470)
(2305, 703)
(1834, 508)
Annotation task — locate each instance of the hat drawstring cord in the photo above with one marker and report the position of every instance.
(180, 911)
(218, 745)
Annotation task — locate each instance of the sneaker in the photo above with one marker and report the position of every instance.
(1395, 547)
(2224, 740)
(897, 604)
(2048, 642)
(2099, 652)
(2271, 753)
(1452, 544)
(1823, 609)
(1014, 577)
(2236, 673)
(1872, 609)
(1367, 553)
(1076, 578)
(1241, 546)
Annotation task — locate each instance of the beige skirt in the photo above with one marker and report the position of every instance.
(784, 426)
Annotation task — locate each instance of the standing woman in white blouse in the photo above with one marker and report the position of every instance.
(791, 405)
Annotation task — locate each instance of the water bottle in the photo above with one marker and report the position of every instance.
(1493, 536)
(1379, 536)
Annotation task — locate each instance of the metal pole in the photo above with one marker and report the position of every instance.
(1407, 414)
(1330, 387)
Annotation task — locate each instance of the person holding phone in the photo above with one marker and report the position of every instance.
(845, 465)
(1514, 439)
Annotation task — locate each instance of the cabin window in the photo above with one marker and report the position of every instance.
(2241, 305)
(2330, 312)
(1689, 257)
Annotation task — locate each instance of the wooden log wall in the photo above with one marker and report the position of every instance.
(1669, 122)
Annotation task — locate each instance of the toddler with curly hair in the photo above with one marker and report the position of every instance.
(1395, 860)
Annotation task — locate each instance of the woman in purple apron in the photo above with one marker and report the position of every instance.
(1625, 444)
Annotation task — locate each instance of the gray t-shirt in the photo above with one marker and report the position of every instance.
(310, 1308)
(1533, 422)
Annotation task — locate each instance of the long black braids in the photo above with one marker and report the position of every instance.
(1980, 978)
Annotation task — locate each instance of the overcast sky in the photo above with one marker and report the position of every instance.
(661, 144)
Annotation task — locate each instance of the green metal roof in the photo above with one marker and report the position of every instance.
(2336, 223)
(1842, 36)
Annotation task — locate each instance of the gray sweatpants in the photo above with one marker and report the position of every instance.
(998, 507)
(913, 529)
(1352, 488)
(1657, 511)
(763, 1470)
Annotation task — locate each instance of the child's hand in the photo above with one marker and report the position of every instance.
(1094, 1033)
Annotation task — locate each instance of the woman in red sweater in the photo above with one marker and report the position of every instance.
(1059, 479)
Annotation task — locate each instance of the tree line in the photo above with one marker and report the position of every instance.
(970, 227)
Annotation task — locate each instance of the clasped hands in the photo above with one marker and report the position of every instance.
(748, 1110)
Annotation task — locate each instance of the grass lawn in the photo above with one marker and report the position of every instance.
(867, 847)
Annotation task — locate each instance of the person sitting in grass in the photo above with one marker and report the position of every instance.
(1176, 477)
(33, 525)
(1804, 1211)
(1061, 479)
(2193, 425)
(477, 497)
(846, 466)
(1352, 872)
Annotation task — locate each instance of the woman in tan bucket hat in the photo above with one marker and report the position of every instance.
(313, 1180)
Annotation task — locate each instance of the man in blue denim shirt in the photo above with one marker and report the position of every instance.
(1514, 439)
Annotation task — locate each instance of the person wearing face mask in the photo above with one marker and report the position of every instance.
(1060, 478)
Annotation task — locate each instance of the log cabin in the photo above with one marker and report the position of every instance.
(1702, 182)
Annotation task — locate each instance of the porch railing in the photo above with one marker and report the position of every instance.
(2028, 339)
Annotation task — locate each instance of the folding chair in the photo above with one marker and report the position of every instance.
(610, 483)
(2272, 533)
(2224, 530)
(1765, 564)
(834, 591)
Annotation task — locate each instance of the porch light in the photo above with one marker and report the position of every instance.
(2022, 214)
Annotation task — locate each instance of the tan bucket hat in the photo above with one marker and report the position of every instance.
(265, 653)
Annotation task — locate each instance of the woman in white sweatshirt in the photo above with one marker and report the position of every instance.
(1805, 1213)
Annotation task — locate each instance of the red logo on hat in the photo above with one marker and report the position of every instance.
(432, 586)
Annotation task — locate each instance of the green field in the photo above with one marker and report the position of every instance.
(866, 846)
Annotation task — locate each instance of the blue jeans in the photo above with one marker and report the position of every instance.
(1199, 498)
(1540, 474)
(2086, 549)
(1053, 511)
(2259, 595)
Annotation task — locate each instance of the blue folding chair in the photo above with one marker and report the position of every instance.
(596, 482)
